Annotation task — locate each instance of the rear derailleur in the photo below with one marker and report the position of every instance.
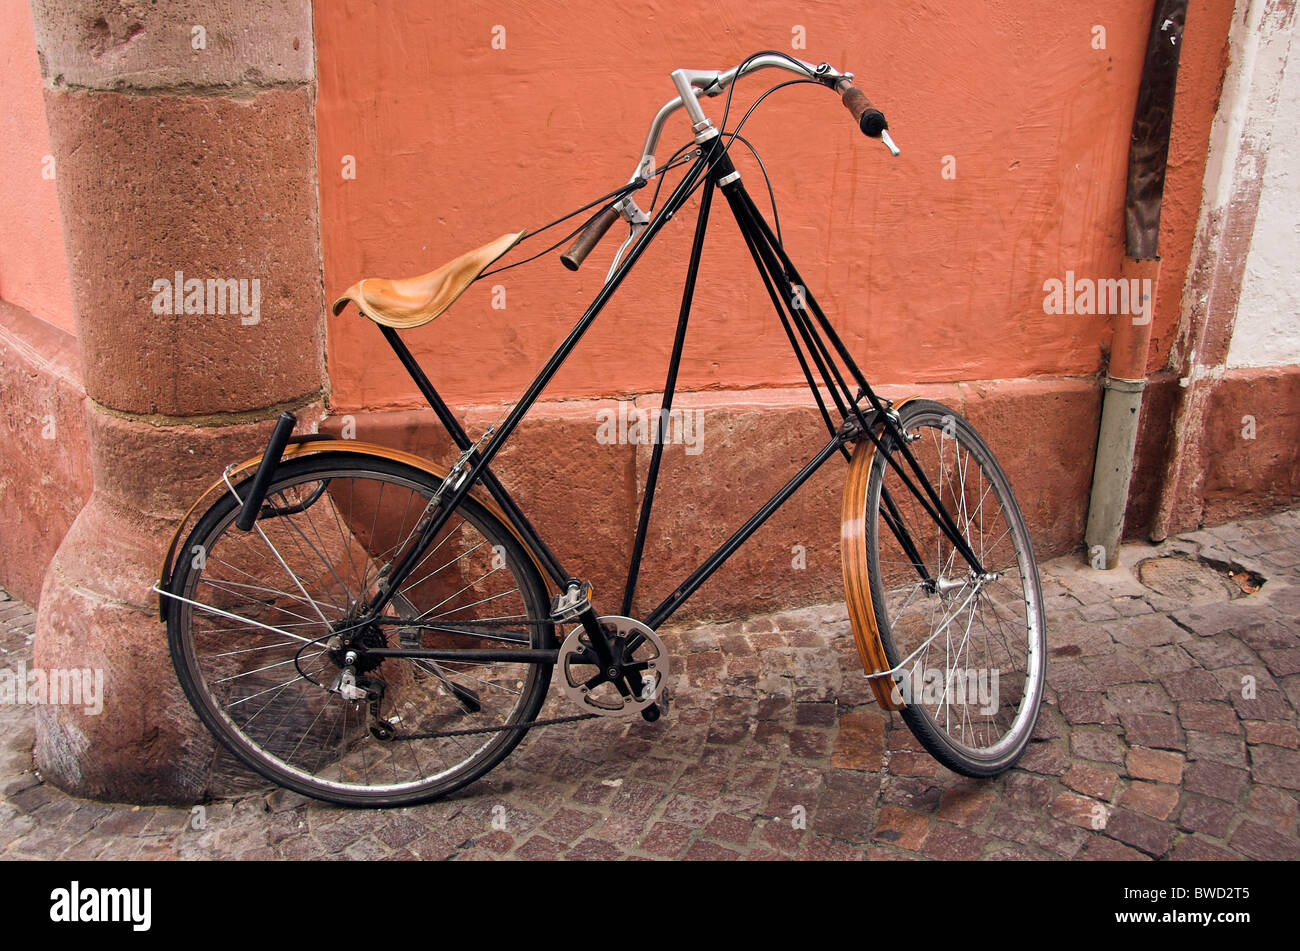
(366, 688)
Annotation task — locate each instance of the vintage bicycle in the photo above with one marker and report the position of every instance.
(371, 628)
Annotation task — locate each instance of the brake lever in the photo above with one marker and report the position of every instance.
(637, 220)
(634, 232)
(889, 142)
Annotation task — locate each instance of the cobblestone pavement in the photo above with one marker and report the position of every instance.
(1150, 729)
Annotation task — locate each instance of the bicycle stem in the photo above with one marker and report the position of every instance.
(693, 83)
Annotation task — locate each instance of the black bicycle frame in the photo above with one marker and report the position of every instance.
(816, 345)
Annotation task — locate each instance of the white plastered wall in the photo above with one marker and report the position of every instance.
(1267, 329)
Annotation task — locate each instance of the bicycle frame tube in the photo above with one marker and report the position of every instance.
(465, 444)
(552, 366)
(666, 404)
(797, 313)
(772, 258)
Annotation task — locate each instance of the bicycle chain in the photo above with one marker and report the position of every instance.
(489, 729)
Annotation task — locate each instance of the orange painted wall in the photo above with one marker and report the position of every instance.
(929, 279)
(33, 269)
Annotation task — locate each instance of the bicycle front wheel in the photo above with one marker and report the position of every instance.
(970, 651)
(254, 640)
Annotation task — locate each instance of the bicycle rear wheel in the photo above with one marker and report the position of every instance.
(972, 652)
(251, 642)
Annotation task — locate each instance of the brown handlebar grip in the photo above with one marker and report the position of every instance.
(589, 238)
(869, 119)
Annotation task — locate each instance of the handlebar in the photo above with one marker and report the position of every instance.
(692, 84)
(590, 237)
(703, 82)
(869, 119)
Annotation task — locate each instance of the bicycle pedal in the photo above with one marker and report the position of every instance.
(660, 707)
(571, 603)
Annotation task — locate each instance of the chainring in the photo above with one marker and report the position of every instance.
(584, 682)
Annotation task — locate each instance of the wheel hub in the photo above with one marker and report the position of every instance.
(350, 649)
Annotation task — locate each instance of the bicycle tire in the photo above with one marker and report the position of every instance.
(977, 752)
(454, 689)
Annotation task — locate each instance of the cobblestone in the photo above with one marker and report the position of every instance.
(1168, 731)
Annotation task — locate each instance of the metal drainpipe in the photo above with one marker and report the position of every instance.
(1126, 374)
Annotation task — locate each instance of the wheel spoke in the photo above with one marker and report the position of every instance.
(275, 693)
(964, 640)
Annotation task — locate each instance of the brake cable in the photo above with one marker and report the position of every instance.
(638, 183)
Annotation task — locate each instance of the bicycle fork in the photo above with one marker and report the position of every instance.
(808, 328)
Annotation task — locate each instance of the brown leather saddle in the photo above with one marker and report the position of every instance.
(414, 301)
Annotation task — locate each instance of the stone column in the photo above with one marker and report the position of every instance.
(184, 141)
